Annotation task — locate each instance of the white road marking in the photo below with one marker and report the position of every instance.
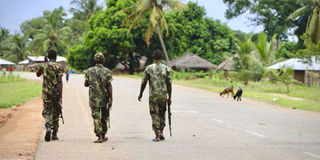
(255, 134)
(218, 120)
(312, 155)
(180, 111)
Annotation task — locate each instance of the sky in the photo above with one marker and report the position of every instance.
(14, 12)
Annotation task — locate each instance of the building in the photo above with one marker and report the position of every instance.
(191, 62)
(304, 71)
(6, 64)
(32, 63)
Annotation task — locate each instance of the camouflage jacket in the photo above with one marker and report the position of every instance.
(98, 77)
(158, 75)
(51, 71)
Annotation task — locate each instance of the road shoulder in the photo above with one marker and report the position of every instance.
(19, 136)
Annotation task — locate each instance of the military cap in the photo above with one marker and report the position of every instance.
(98, 56)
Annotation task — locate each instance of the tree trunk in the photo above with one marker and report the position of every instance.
(131, 63)
(162, 43)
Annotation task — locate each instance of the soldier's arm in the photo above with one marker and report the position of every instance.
(86, 83)
(143, 84)
(60, 86)
(110, 93)
(40, 71)
(169, 86)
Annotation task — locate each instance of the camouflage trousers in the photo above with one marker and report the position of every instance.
(158, 115)
(51, 114)
(100, 120)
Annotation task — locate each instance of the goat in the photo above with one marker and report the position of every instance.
(227, 91)
(238, 94)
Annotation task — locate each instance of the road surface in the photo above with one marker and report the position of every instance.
(205, 127)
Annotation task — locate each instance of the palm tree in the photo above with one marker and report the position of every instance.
(4, 34)
(153, 11)
(312, 7)
(85, 8)
(244, 50)
(265, 49)
(53, 35)
(17, 48)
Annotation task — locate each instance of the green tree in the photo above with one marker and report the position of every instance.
(190, 31)
(313, 27)
(53, 35)
(265, 49)
(107, 35)
(84, 9)
(153, 11)
(272, 14)
(17, 48)
(4, 35)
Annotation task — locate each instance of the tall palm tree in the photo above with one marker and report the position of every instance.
(154, 11)
(244, 50)
(312, 7)
(53, 35)
(84, 9)
(265, 49)
(17, 48)
(4, 34)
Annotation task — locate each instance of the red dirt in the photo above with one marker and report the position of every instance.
(20, 129)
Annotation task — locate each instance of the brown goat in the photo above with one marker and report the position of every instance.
(227, 91)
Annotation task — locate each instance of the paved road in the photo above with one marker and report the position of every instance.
(204, 127)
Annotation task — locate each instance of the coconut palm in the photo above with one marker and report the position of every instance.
(4, 34)
(264, 49)
(16, 48)
(244, 51)
(85, 8)
(53, 35)
(312, 7)
(153, 11)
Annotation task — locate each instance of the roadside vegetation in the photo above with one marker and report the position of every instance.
(15, 90)
(300, 96)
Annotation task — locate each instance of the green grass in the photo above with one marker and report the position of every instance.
(17, 91)
(261, 91)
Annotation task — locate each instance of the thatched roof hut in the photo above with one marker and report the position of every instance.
(227, 65)
(190, 61)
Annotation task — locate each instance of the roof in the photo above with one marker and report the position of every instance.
(24, 62)
(227, 64)
(190, 61)
(299, 64)
(41, 59)
(4, 62)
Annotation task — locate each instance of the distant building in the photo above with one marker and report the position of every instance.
(6, 64)
(191, 61)
(227, 64)
(304, 70)
(32, 63)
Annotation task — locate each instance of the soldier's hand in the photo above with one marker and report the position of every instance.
(169, 101)
(140, 96)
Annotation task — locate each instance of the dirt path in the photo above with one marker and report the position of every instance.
(19, 136)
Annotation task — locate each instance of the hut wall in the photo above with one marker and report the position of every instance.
(299, 75)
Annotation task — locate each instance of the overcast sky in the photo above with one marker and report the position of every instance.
(15, 12)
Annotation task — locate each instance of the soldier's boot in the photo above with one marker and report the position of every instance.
(47, 137)
(99, 140)
(104, 138)
(54, 135)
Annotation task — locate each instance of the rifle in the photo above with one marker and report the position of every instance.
(60, 112)
(169, 118)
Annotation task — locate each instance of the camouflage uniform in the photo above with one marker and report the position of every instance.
(50, 93)
(158, 75)
(98, 77)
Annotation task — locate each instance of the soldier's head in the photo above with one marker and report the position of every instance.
(52, 55)
(157, 54)
(98, 58)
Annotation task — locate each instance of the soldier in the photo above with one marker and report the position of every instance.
(98, 79)
(51, 94)
(159, 77)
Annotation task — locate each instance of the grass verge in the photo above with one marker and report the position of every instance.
(16, 93)
(310, 96)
